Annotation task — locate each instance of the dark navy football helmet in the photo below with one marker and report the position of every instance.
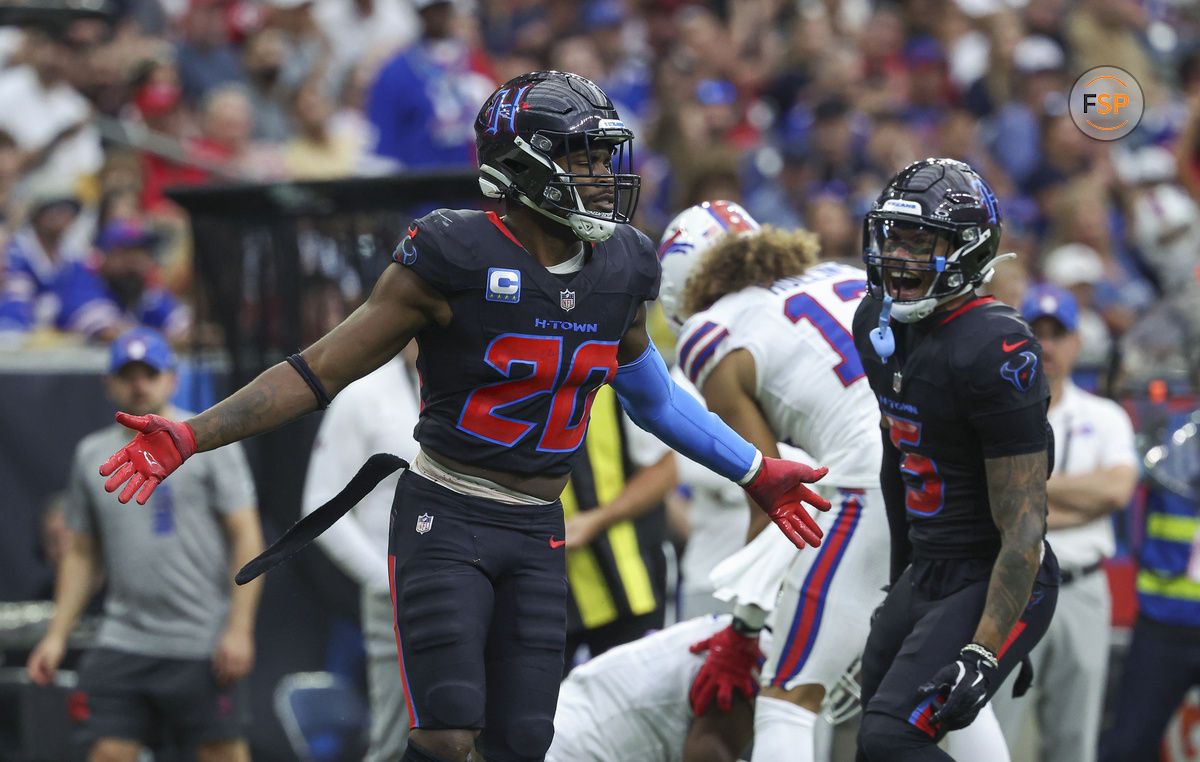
(941, 207)
(537, 118)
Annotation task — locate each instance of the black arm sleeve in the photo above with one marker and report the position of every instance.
(893, 499)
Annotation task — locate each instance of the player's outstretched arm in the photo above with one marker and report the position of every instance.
(656, 403)
(399, 306)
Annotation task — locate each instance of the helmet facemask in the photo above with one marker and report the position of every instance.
(555, 172)
(922, 265)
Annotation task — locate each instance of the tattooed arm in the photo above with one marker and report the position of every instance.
(400, 305)
(1017, 494)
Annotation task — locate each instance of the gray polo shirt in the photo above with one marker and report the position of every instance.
(167, 562)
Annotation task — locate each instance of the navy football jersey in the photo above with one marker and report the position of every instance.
(960, 388)
(508, 384)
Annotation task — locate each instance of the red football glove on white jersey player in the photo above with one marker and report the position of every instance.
(778, 488)
(158, 449)
(732, 663)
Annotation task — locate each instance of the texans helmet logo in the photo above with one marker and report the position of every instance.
(1020, 370)
(406, 252)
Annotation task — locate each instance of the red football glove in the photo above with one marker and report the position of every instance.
(779, 490)
(158, 449)
(732, 662)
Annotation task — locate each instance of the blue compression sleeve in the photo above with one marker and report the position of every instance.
(656, 403)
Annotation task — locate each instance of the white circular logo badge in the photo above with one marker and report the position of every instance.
(1106, 103)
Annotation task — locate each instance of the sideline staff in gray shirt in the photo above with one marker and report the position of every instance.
(177, 636)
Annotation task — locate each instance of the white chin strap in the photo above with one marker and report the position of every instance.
(587, 229)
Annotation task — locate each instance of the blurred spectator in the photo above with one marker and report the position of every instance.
(263, 61)
(712, 174)
(840, 236)
(1164, 221)
(425, 99)
(320, 149)
(1094, 476)
(47, 117)
(929, 89)
(46, 276)
(1078, 268)
(835, 155)
(226, 142)
(1037, 85)
(306, 51)
(205, 56)
(362, 29)
(132, 290)
(177, 635)
(166, 160)
(1083, 214)
(892, 145)
(623, 74)
(1111, 33)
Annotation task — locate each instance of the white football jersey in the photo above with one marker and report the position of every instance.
(631, 702)
(811, 385)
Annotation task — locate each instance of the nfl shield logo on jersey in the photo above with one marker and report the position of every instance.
(566, 299)
(424, 523)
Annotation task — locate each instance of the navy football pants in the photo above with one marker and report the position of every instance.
(930, 613)
(480, 596)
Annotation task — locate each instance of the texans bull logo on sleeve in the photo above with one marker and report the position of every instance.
(1020, 370)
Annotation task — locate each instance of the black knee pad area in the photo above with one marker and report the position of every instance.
(887, 739)
(523, 740)
(453, 704)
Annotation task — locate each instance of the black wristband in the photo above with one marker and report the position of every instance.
(298, 362)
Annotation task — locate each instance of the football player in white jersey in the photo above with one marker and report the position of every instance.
(632, 704)
(766, 338)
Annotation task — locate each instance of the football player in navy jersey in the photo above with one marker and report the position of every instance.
(967, 450)
(518, 320)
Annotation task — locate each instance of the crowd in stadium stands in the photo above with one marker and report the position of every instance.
(798, 109)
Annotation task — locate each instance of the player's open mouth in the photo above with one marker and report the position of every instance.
(905, 285)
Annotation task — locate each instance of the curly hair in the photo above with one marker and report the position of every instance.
(757, 259)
